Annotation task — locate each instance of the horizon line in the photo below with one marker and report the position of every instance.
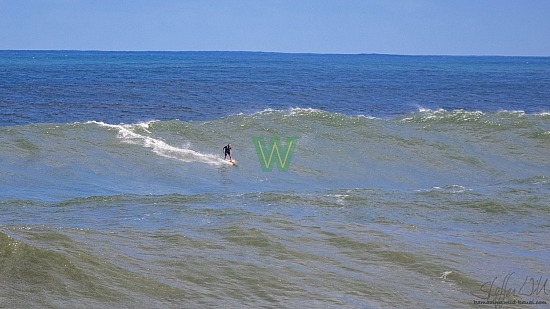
(277, 52)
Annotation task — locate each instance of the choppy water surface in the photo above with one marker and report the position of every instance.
(397, 204)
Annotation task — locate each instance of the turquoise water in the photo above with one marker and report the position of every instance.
(416, 182)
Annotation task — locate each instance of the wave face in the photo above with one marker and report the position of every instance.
(422, 150)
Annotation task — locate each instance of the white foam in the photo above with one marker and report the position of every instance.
(265, 111)
(291, 111)
(368, 117)
(512, 112)
(445, 274)
(452, 189)
(427, 110)
(298, 110)
(159, 147)
(145, 125)
(426, 114)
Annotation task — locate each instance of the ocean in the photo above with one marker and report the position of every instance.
(415, 181)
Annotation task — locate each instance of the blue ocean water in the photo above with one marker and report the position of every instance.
(115, 87)
(416, 180)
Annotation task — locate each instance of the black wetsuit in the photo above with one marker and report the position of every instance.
(227, 151)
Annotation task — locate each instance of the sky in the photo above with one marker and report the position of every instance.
(407, 27)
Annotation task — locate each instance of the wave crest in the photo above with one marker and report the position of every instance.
(130, 133)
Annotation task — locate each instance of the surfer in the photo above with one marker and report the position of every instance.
(227, 152)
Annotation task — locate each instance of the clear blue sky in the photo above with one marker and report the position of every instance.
(450, 27)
